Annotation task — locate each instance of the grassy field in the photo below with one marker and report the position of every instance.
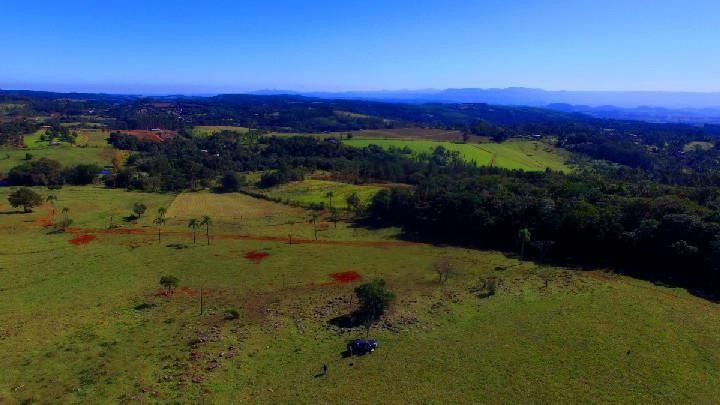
(394, 133)
(66, 154)
(207, 130)
(91, 147)
(525, 155)
(313, 191)
(698, 145)
(84, 322)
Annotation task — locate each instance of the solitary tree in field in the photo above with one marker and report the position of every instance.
(66, 221)
(139, 209)
(524, 236)
(443, 268)
(329, 195)
(353, 202)
(194, 224)
(334, 216)
(51, 198)
(160, 220)
(374, 299)
(206, 222)
(313, 219)
(26, 198)
(169, 283)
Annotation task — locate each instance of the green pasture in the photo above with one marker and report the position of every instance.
(313, 191)
(523, 155)
(85, 323)
(207, 130)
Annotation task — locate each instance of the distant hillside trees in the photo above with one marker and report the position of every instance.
(50, 173)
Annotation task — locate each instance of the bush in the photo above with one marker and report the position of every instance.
(139, 209)
(169, 282)
(232, 182)
(271, 179)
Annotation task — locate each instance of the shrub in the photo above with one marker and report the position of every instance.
(169, 282)
(231, 182)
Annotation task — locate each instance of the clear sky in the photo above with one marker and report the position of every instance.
(230, 46)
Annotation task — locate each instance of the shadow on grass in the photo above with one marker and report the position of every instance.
(348, 321)
(16, 212)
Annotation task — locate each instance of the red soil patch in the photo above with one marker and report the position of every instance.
(47, 220)
(344, 277)
(184, 291)
(44, 222)
(188, 292)
(255, 256)
(82, 239)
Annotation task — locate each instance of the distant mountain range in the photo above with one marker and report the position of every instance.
(652, 106)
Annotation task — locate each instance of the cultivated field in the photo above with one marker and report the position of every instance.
(83, 319)
(207, 130)
(525, 155)
(314, 191)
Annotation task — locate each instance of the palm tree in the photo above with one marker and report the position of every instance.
(329, 195)
(160, 220)
(524, 235)
(313, 218)
(334, 216)
(194, 224)
(66, 220)
(51, 198)
(206, 222)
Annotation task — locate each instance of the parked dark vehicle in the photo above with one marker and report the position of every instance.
(361, 346)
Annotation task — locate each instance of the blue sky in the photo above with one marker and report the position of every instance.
(231, 46)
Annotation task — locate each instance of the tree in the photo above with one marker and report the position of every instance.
(81, 174)
(206, 222)
(313, 219)
(41, 172)
(26, 198)
(231, 182)
(374, 299)
(160, 220)
(525, 236)
(139, 209)
(51, 198)
(169, 283)
(194, 224)
(329, 195)
(117, 161)
(66, 219)
(443, 268)
(353, 202)
(334, 216)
